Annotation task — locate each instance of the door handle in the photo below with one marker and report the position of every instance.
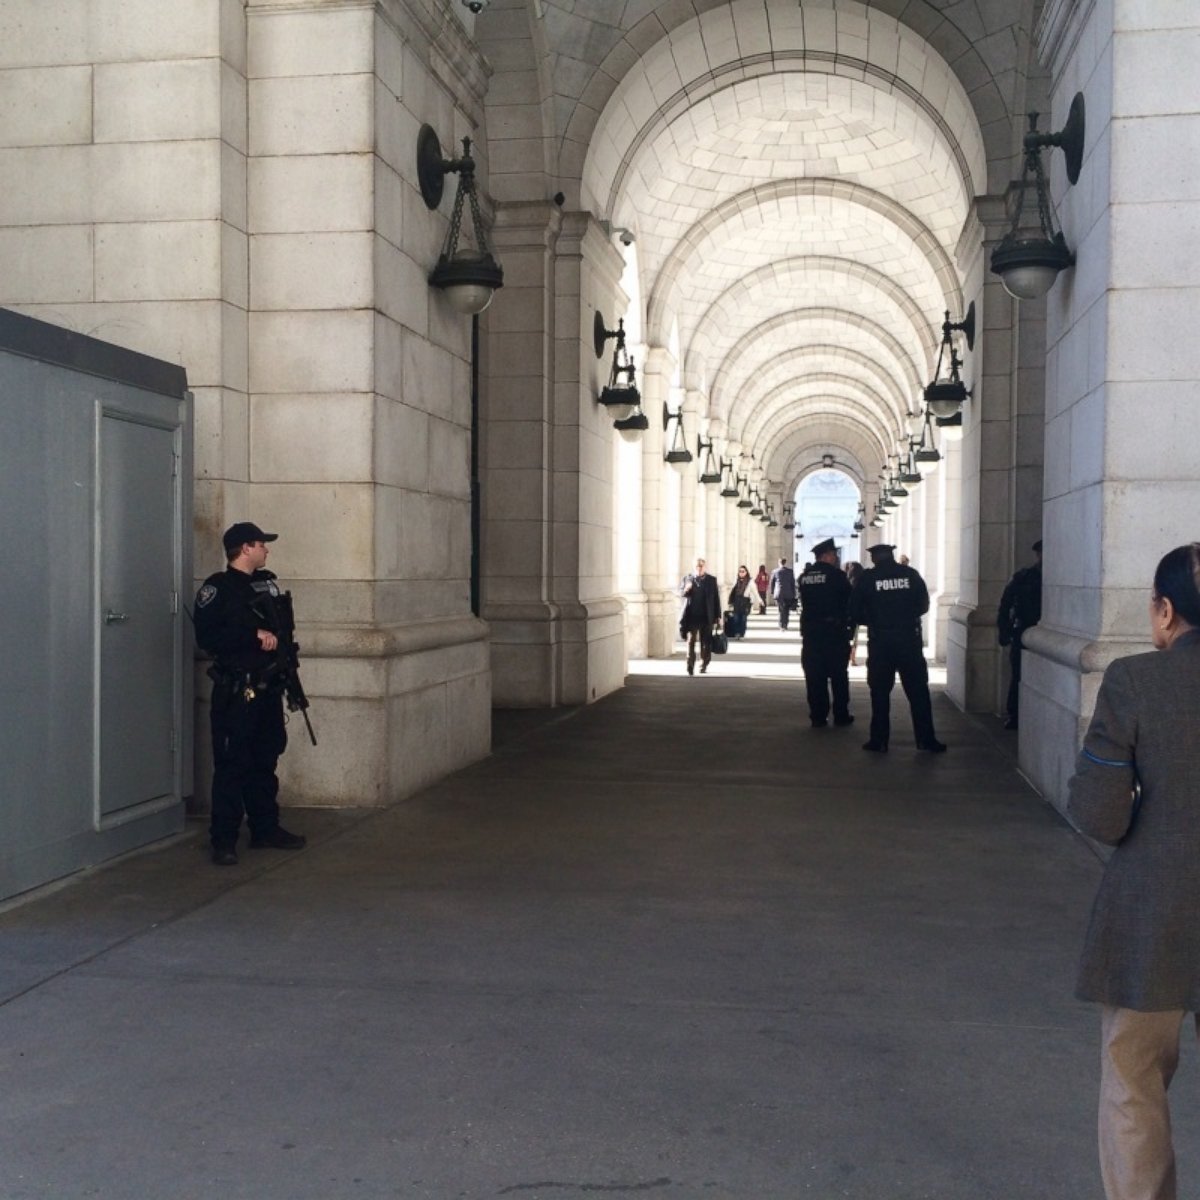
(115, 618)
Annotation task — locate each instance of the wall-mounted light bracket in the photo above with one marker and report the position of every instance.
(677, 453)
(468, 277)
(1028, 260)
(710, 471)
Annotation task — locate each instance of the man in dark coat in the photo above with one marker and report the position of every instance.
(238, 622)
(1020, 609)
(782, 587)
(890, 600)
(699, 615)
(825, 630)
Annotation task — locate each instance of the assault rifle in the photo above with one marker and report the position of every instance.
(286, 666)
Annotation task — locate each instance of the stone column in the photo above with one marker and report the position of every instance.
(549, 582)
(360, 389)
(1123, 360)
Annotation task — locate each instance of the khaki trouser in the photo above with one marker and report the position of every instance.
(1139, 1054)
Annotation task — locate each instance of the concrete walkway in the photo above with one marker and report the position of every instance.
(675, 944)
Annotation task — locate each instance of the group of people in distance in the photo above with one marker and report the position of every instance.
(889, 598)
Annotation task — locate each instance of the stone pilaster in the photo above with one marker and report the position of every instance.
(549, 583)
(1122, 361)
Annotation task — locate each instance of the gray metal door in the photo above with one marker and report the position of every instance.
(137, 621)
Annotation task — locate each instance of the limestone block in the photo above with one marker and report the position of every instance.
(235, 266)
(158, 101)
(1146, 244)
(310, 351)
(396, 130)
(428, 668)
(313, 42)
(1151, 157)
(129, 30)
(1176, 15)
(310, 271)
(185, 332)
(157, 181)
(391, 195)
(235, 347)
(389, 357)
(360, 678)
(44, 31)
(221, 432)
(303, 194)
(427, 376)
(389, 57)
(46, 186)
(1150, 431)
(45, 106)
(233, 186)
(401, 442)
(159, 260)
(232, 27)
(450, 459)
(330, 114)
(292, 442)
(401, 287)
(1088, 436)
(1153, 316)
(1142, 521)
(522, 674)
(234, 105)
(325, 530)
(415, 535)
(348, 769)
(46, 264)
(512, 548)
(514, 444)
(344, 601)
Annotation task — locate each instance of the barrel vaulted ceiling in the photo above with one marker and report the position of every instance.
(797, 174)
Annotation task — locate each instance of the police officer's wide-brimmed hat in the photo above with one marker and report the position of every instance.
(824, 547)
(243, 532)
(881, 548)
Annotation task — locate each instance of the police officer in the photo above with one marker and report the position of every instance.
(239, 622)
(825, 628)
(1020, 609)
(890, 600)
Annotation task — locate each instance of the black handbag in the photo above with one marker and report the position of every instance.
(720, 643)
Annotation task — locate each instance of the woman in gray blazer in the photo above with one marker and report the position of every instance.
(1137, 787)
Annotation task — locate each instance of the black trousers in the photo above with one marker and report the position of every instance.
(889, 655)
(248, 736)
(703, 635)
(825, 659)
(1014, 683)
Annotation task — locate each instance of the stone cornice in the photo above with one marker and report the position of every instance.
(1058, 30)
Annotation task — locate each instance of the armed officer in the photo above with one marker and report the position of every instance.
(890, 600)
(1020, 609)
(242, 620)
(825, 628)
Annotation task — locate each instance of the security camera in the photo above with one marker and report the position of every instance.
(476, 6)
(624, 236)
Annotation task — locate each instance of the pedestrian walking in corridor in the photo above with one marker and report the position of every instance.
(825, 634)
(1136, 787)
(742, 597)
(782, 588)
(699, 615)
(761, 582)
(890, 601)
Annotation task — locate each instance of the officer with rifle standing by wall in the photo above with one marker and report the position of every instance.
(245, 622)
(1020, 609)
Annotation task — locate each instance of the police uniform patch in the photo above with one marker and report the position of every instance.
(205, 595)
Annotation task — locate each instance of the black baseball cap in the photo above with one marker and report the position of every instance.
(245, 531)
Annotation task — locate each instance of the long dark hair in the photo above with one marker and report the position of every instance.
(1178, 579)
